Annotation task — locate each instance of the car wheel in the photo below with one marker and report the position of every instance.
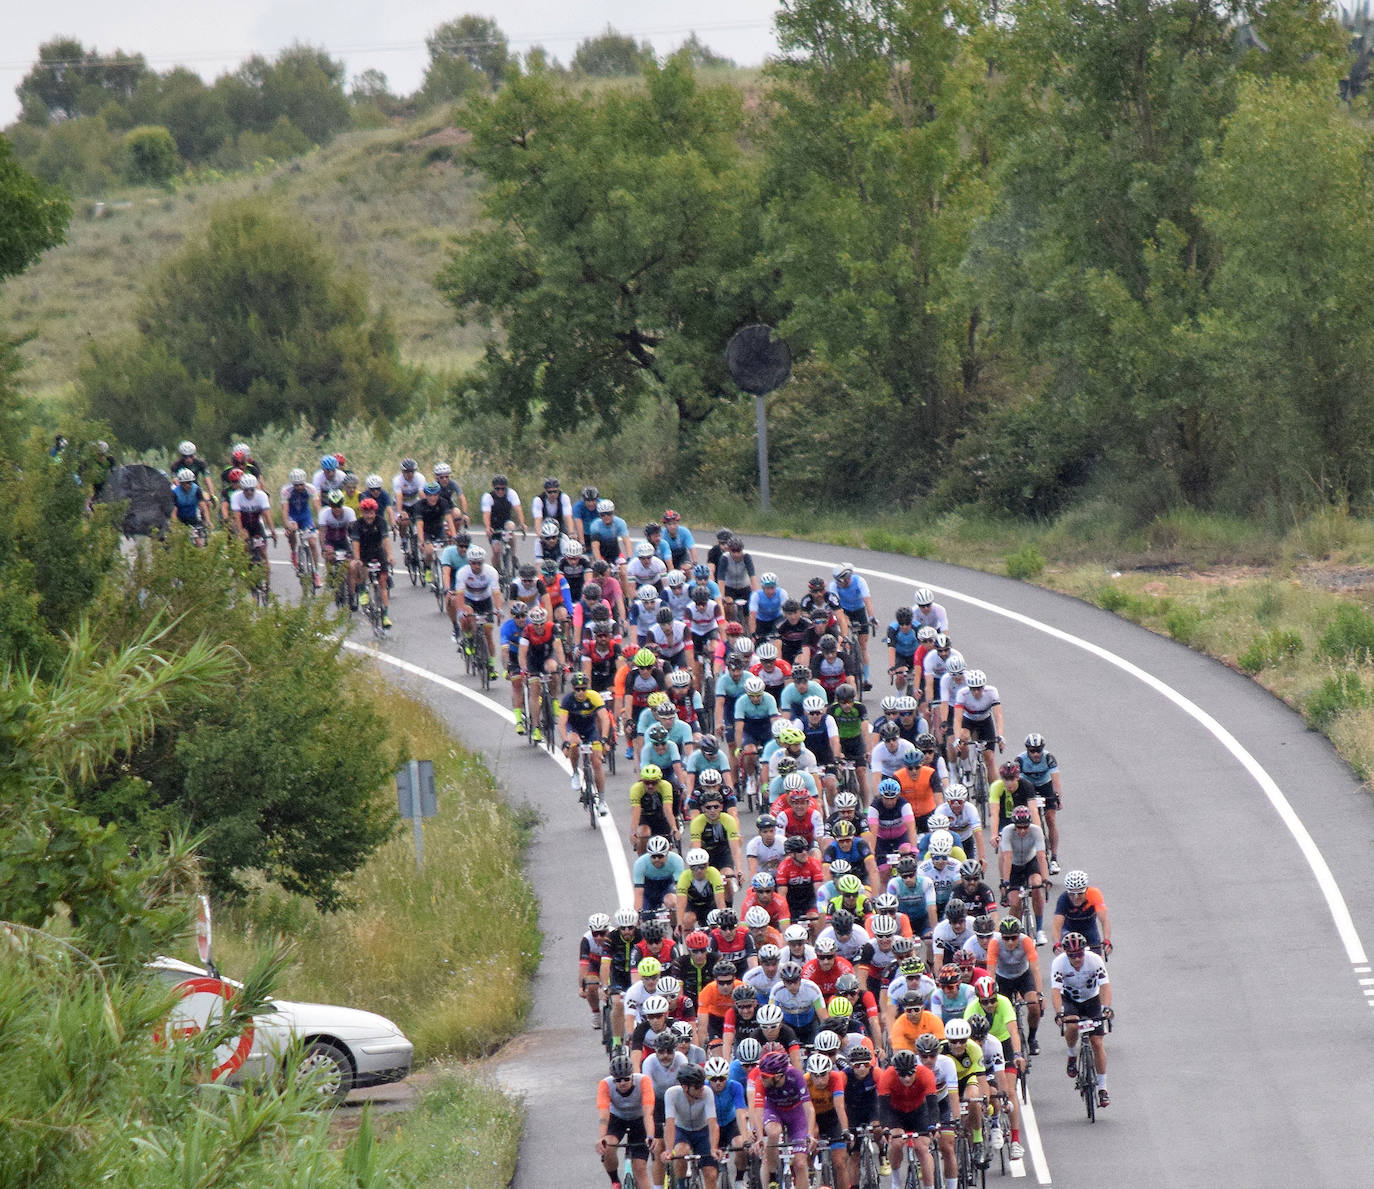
(329, 1069)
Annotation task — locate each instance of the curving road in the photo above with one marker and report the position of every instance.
(1239, 957)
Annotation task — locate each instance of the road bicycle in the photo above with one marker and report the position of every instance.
(691, 1177)
(1086, 1081)
(586, 780)
(846, 778)
(306, 569)
(373, 608)
(1022, 1028)
(473, 647)
(410, 551)
(867, 1155)
(436, 583)
(1001, 1114)
(338, 580)
(911, 1156)
(510, 564)
(257, 554)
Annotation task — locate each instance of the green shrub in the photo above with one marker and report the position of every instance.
(886, 541)
(1112, 598)
(1182, 622)
(1349, 636)
(1270, 648)
(1026, 564)
(1337, 695)
(150, 155)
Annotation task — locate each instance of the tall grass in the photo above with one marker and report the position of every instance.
(447, 951)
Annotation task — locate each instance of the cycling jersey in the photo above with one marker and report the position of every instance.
(657, 881)
(915, 899)
(700, 889)
(799, 1006)
(1022, 845)
(853, 596)
(1038, 772)
(299, 502)
(670, 641)
(632, 1103)
(788, 1095)
(371, 539)
(498, 509)
(715, 837)
(553, 507)
(608, 537)
(734, 572)
(952, 1006)
(999, 1023)
(969, 1064)
(582, 712)
(1083, 984)
(433, 517)
(653, 799)
(336, 528)
(765, 855)
(767, 608)
(902, 640)
(249, 511)
(477, 585)
(324, 481)
(945, 880)
(646, 571)
(886, 761)
(977, 707)
(187, 503)
(407, 491)
(798, 882)
(1082, 918)
(539, 643)
(824, 1090)
(822, 739)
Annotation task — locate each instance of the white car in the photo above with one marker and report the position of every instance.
(344, 1047)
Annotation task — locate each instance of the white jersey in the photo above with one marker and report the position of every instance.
(994, 1060)
(933, 665)
(946, 935)
(767, 857)
(1078, 986)
(407, 491)
(704, 617)
(324, 483)
(759, 981)
(241, 502)
(922, 984)
(948, 686)
(634, 998)
(646, 571)
(977, 704)
(848, 947)
(932, 617)
(478, 585)
(800, 1002)
(946, 1076)
(963, 826)
(888, 763)
(541, 506)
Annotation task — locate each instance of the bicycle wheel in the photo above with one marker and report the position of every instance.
(827, 1167)
(1087, 1078)
(481, 659)
(589, 792)
(607, 1040)
(751, 791)
(868, 1164)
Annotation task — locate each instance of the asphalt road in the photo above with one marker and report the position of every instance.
(1233, 981)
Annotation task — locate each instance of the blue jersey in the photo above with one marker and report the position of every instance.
(646, 872)
(585, 512)
(853, 596)
(510, 639)
(792, 697)
(1038, 772)
(298, 509)
(680, 545)
(729, 1099)
(766, 707)
(608, 535)
(902, 639)
(187, 503)
(766, 607)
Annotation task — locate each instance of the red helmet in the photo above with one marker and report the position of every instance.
(628, 652)
(669, 514)
(240, 454)
(985, 987)
(367, 505)
(342, 461)
(1073, 943)
(950, 974)
(966, 960)
(734, 629)
(235, 475)
(697, 940)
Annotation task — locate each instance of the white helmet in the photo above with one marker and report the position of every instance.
(818, 1065)
(939, 821)
(644, 549)
(674, 579)
(297, 475)
(841, 570)
(954, 666)
(604, 506)
(767, 651)
(793, 781)
(625, 918)
(768, 579)
(697, 857)
(573, 549)
(655, 1005)
(753, 684)
(598, 922)
(679, 678)
(647, 594)
(717, 1067)
(941, 843)
(958, 1029)
(249, 482)
(476, 553)
(1076, 881)
(373, 480)
(883, 926)
(186, 475)
(813, 704)
(925, 633)
(548, 528)
(795, 933)
(757, 917)
(956, 792)
(442, 470)
(187, 448)
(669, 987)
(975, 678)
(826, 1041)
(744, 645)
(770, 1015)
(846, 800)
(658, 845)
(923, 597)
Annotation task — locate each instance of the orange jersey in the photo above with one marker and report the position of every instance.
(714, 1001)
(916, 790)
(905, 1030)
(823, 1090)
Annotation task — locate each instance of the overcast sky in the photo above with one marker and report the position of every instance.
(212, 36)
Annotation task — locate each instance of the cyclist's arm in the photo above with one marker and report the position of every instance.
(522, 653)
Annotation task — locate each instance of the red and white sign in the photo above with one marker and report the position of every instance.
(202, 1006)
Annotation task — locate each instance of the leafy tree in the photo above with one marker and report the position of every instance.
(193, 113)
(619, 252)
(611, 55)
(703, 56)
(463, 53)
(303, 85)
(68, 80)
(152, 155)
(33, 217)
(249, 324)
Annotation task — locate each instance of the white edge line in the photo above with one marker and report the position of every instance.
(620, 868)
(1037, 1150)
(1326, 882)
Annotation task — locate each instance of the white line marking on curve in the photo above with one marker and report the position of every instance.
(620, 867)
(1326, 882)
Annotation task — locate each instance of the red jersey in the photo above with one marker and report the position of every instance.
(799, 881)
(908, 1097)
(826, 979)
(733, 945)
(775, 904)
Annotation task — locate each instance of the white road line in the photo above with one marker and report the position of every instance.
(1037, 1150)
(1335, 901)
(620, 868)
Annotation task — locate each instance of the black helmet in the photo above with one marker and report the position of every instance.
(621, 1065)
(795, 845)
(665, 615)
(904, 1062)
(691, 1075)
(743, 994)
(724, 969)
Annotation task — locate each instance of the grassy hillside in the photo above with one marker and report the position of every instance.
(386, 200)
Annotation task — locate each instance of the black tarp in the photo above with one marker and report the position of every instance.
(149, 493)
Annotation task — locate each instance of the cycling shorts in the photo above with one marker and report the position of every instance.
(852, 748)
(482, 607)
(700, 1143)
(633, 1129)
(792, 1118)
(1021, 873)
(1022, 984)
(829, 1129)
(757, 731)
(1047, 794)
(1089, 1009)
(858, 620)
(655, 890)
(984, 730)
(740, 594)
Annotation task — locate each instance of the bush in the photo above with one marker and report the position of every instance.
(1337, 695)
(1349, 636)
(1026, 564)
(1182, 622)
(150, 155)
(1270, 648)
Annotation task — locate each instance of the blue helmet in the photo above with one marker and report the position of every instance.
(888, 787)
(431, 488)
(329, 463)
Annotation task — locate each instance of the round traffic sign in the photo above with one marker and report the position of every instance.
(202, 1004)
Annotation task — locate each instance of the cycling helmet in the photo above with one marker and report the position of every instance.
(846, 692)
(887, 787)
(984, 926)
(767, 651)
(938, 821)
(1021, 815)
(697, 940)
(518, 609)
(786, 764)
(717, 1067)
(664, 615)
(548, 529)
(724, 969)
(801, 675)
(902, 946)
(1073, 943)
(923, 597)
(604, 506)
(241, 452)
(770, 1014)
(698, 857)
(941, 843)
(794, 782)
(846, 800)
(372, 481)
(886, 902)
(644, 659)
(904, 615)
(970, 869)
(657, 733)
(659, 845)
(925, 741)
(818, 1065)
(889, 704)
(710, 779)
(829, 643)
(431, 488)
(956, 793)
(1011, 770)
(770, 953)
(626, 918)
(476, 553)
(743, 645)
(773, 1064)
(691, 1075)
(334, 499)
(754, 685)
(669, 987)
(814, 704)
(656, 699)
(653, 930)
(941, 640)
(966, 960)
(186, 475)
(978, 1027)
(744, 994)
(665, 1043)
(573, 549)
(985, 987)
(650, 773)
(590, 494)
(539, 615)
(674, 579)
(907, 704)
(409, 464)
(649, 967)
(843, 829)
(764, 882)
(748, 1051)
(954, 666)
(1035, 741)
(644, 549)
(958, 1029)
(883, 926)
(795, 844)
(839, 867)
(765, 821)
(598, 922)
(842, 921)
(927, 1043)
(949, 975)
(825, 946)
(846, 984)
(975, 678)
(907, 865)
(621, 1065)
(727, 919)
(368, 505)
(849, 885)
(186, 449)
(1009, 927)
(790, 972)
(794, 933)
(297, 475)
(904, 1060)
(329, 464)
(249, 482)
(1076, 881)
(757, 917)
(843, 570)
(701, 595)
(664, 710)
(889, 732)
(925, 634)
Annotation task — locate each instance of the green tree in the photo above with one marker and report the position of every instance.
(248, 324)
(463, 53)
(611, 55)
(33, 217)
(193, 113)
(151, 155)
(306, 86)
(703, 56)
(68, 80)
(619, 252)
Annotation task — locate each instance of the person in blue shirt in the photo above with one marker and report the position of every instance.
(189, 502)
(701, 576)
(856, 602)
(765, 607)
(653, 533)
(682, 547)
(730, 1107)
(609, 538)
(584, 514)
(508, 650)
(901, 647)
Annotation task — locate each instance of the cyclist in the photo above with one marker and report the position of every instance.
(336, 524)
(999, 1019)
(187, 459)
(625, 1109)
(374, 490)
(540, 660)
(1081, 990)
(662, 1067)
(406, 488)
(735, 573)
(937, 693)
(700, 888)
(976, 895)
(857, 604)
(190, 504)
(916, 895)
(508, 650)
(619, 960)
(767, 849)
(584, 513)
(731, 1119)
(755, 711)
(656, 873)
(1041, 771)
(300, 502)
(646, 568)
(1022, 856)
(826, 1085)
(972, 1083)
(451, 493)
(920, 781)
(1004, 795)
(651, 808)
(801, 1000)
(330, 476)
(901, 650)
(764, 606)
(583, 718)
(609, 538)
(500, 507)
(782, 1113)
(891, 824)
(432, 525)
(1081, 909)
(1013, 960)
(964, 822)
(252, 511)
(552, 504)
(978, 709)
(716, 1002)
(717, 833)
(907, 1107)
(473, 589)
(370, 544)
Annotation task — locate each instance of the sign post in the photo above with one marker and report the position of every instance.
(415, 799)
(759, 363)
